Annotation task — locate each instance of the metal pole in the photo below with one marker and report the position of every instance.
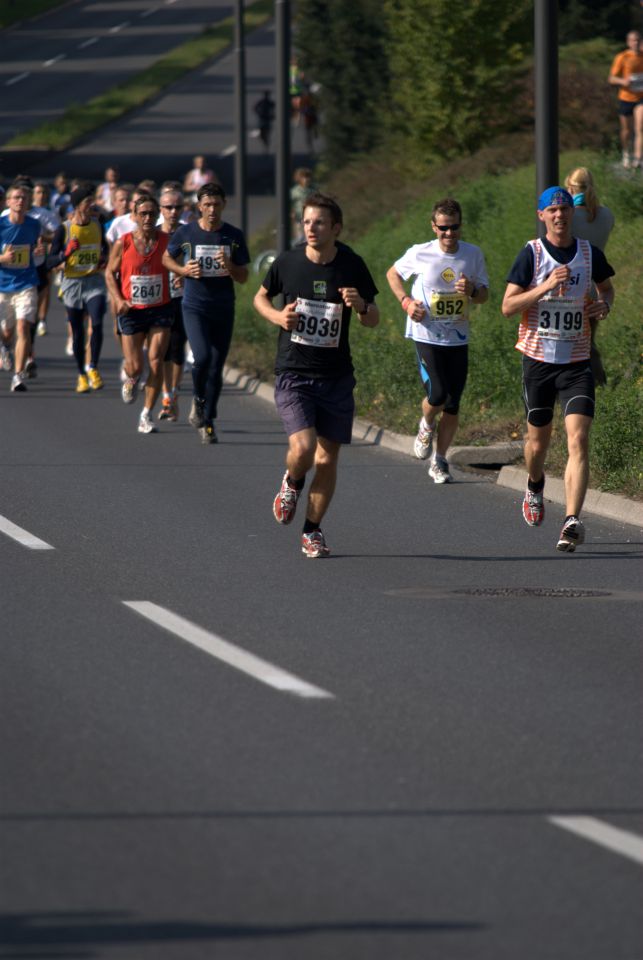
(240, 116)
(283, 174)
(546, 94)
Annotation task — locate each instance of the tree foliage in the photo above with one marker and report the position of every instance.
(342, 46)
(453, 68)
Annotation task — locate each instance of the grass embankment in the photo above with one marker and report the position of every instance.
(499, 216)
(81, 119)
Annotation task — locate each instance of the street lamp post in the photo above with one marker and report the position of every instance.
(546, 94)
(240, 116)
(282, 26)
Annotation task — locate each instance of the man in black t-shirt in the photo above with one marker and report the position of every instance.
(321, 283)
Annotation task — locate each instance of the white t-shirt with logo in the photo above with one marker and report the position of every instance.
(446, 321)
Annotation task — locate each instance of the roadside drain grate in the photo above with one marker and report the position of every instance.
(565, 593)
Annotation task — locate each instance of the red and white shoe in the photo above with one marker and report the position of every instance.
(285, 503)
(313, 545)
(533, 508)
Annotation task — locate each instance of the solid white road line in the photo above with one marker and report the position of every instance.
(227, 652)
(23, 536)
(618, 841)
(87, 43)
(16, 79)
(49, 63)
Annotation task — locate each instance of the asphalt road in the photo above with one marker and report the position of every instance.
(193, 116)
(83, 48)
(381, 783)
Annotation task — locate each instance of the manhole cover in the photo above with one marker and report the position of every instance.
(565, 593)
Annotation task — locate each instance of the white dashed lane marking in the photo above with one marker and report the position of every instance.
(16, 79)
(23, 536)
(227, 652)
(597, 831)
(87, 43)
(49, 63)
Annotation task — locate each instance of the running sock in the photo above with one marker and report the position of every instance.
(296, 484)
(536, 486)
(310, 527)
(572, 516)
(145, 411)
(427, 426)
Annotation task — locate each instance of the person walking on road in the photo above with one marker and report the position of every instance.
(265, 111)
(214, 257)
(322, 283)
(139, 286)
(20, 242)
(450, 275)
(550, 285)
(79, 246)
(627, 74)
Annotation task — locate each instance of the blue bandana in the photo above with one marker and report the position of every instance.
(555, 197)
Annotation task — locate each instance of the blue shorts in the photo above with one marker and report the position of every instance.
(325, 405)
(145, 319)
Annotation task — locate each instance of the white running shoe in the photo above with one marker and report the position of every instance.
(146, 424)
(6, 358)
(423, 443)
(18, 384)
(439, 471)
(129, 390)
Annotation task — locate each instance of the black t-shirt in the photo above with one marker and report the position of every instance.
(522, 271)
(295, 276)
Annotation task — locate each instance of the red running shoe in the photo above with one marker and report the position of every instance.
(285, 503)
(533, 508)
(313, 544)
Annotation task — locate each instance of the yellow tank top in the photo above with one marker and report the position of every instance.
(83, 261)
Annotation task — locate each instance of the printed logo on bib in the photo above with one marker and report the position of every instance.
(449, 306)
(20, 256)
(146, 291)
(448, 275)
(210, 257)
(319, 324)
(560, 318)
(319, 288)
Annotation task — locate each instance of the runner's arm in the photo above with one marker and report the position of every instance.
(111, 279)
(518, 299)
(287, 318)
(414, 308)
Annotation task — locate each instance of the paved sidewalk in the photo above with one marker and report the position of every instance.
(602, 504)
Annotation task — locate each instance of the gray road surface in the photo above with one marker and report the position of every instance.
(159, 802)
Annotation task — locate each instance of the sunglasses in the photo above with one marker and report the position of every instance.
(171, 206)
(449, 226)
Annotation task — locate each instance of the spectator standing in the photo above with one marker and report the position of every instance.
(627, 75)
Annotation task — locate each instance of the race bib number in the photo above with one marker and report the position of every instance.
(560, 319)
(210, 259)
(85, 259)
(319, 323)
(146, 291)
(449, 306)
(636, 83)
(20, 257)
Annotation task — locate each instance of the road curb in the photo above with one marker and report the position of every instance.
(608, 505)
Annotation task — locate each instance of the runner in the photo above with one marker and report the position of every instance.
(20, 242)
(139, 286)
(214, 257)
(627, 74)
(79, 246)
(322, 283)
(449, 275)
(550, 285)
(171, 211)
